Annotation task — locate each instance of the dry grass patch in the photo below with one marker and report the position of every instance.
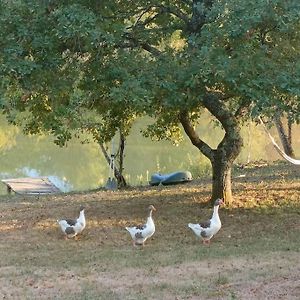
(256, 253)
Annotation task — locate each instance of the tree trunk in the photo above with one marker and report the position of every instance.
(290, 124)
(284, 138)
(229, 148)
(222, 162)
(221, 181)
(121, 179)
(118, 173)
(221, 158)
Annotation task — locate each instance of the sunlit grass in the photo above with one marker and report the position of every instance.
(259, 237)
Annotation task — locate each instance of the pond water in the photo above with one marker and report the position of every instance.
(79, 167)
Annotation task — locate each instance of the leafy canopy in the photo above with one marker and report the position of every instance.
(68, 66)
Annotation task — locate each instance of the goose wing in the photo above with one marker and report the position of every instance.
(201, 228)
(141, 227)
(205, 224)
(71, 222)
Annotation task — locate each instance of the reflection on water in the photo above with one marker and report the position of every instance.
(82, 166)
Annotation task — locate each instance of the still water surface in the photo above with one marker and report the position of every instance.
(80, 167)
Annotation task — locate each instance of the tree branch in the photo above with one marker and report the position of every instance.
(217, 107)
(117, 173)
(134, 42)
(160, 9)
(243, 109)
(198, 18)
(193, 135)
(166, 9)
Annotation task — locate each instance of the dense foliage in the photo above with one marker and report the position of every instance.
(68, 66)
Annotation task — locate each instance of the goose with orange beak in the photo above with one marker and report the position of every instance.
(141, 233)
(206, 230)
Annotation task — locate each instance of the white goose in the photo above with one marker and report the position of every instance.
(206, 230)
(71, 227)
(141, 233)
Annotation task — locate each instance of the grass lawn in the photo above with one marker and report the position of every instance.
(254, 256)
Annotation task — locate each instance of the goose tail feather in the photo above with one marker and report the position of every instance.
(196, 228)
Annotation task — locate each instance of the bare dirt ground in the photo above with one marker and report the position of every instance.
(173, 282)
(254, 256)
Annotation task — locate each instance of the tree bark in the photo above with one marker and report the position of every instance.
(118, 173)
(121, 179)
(223, 156)
(290, 125)
(221, 180)
(222, 162)
(284, 138)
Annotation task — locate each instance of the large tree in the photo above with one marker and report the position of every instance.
(97, 65)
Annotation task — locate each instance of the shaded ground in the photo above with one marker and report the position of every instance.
(254, 256)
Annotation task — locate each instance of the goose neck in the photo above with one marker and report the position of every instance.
(150, 214)
(216, 211)
(81, 214)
